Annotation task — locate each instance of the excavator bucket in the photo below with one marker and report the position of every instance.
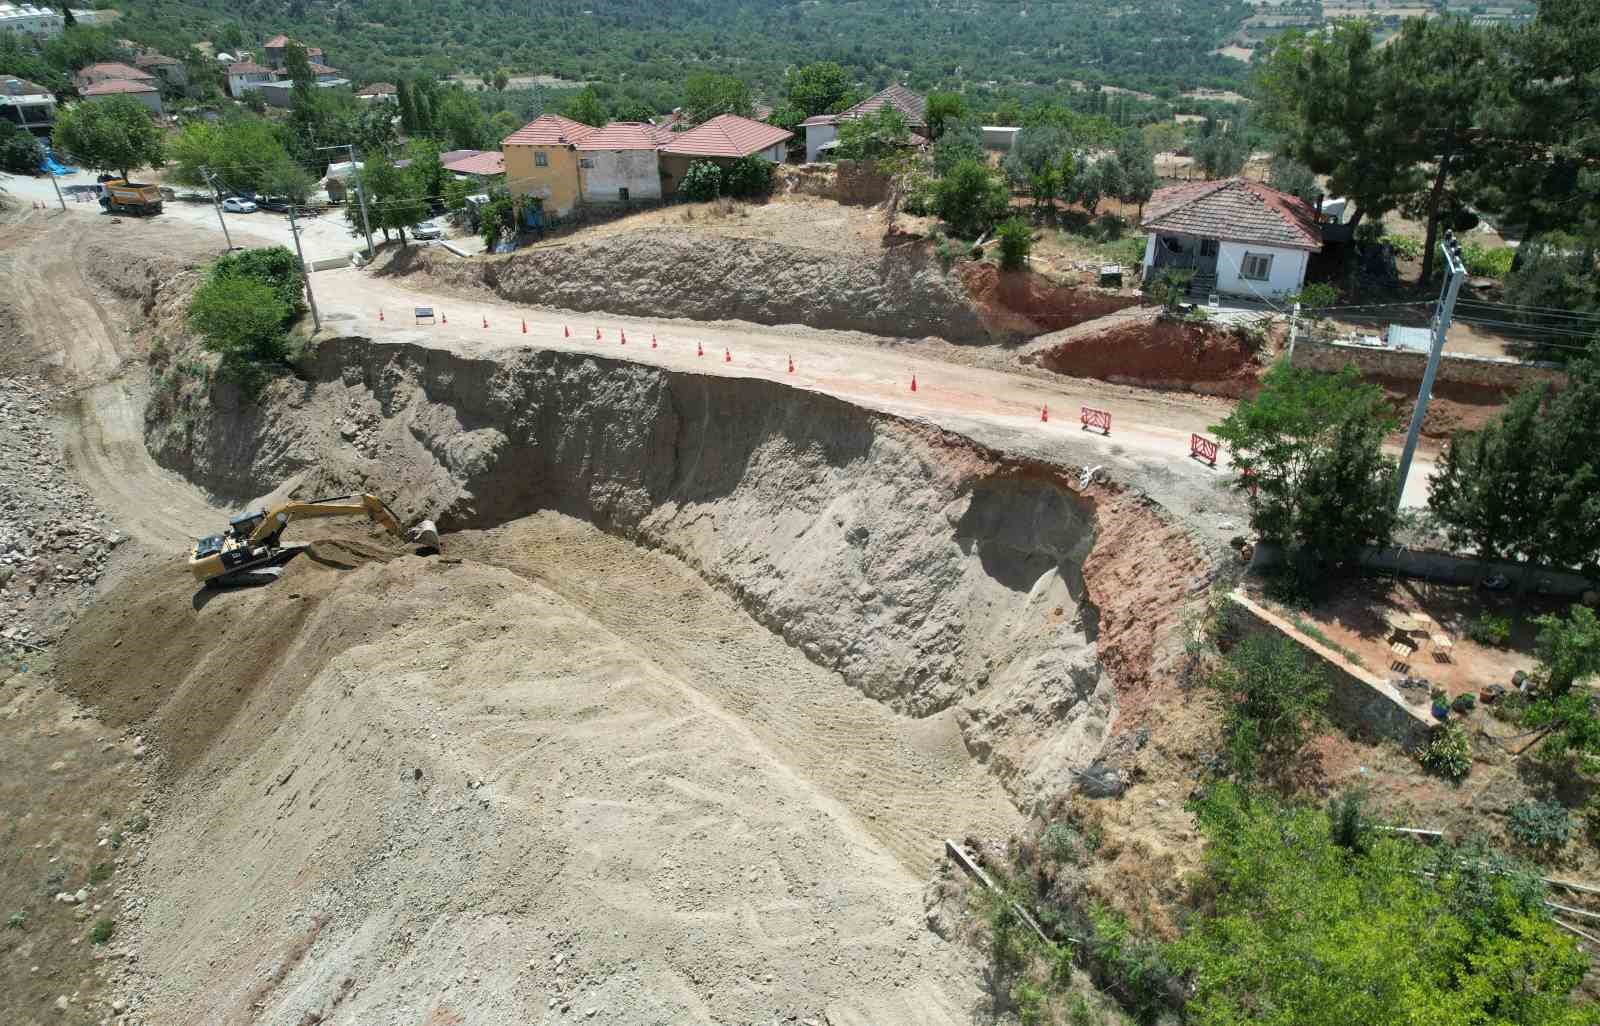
(425, 535)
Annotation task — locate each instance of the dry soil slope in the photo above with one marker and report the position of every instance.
(429, 792)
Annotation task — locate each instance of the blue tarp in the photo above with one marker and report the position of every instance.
(50, 164)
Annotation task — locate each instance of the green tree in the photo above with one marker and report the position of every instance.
(1036, 163)
(872, 136)
(962, 140)
(707, 94)
(1569, 649)
(1136, 170)
(1272, 699)
(240, 317)
(115, 133)
(497, 220)
(1016, 242)
(502, 78)
(19, 150)
(969, 199)
(817, 88)
(1309, 445)
(944, 109)
(458, 121)
(243, 149)
(1296, 930)
(586, 108)
(702, 181)
(1219, 152)
(1527, 486)
(407, 105)
(1289, 175)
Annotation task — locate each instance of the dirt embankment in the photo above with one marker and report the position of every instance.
(901, 293)
(1022, 304)
(1146, 348)
(927, 570)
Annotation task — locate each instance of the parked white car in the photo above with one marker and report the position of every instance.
(238, 205)
(426, 230)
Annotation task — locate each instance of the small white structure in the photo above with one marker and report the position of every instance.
(618, 163)
(244, 76)
(27, 104)
(40, 22)
(822, 129)
(1239, 237)
(1000, 137)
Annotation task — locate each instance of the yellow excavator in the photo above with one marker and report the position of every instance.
(251, 551)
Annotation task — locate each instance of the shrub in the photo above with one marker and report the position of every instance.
(1317, 296)
(274, 266)
(1449, 753)
(242, 318)
(1544, 826)
(16, 920)
(1484, 262)
(1491, 630)
(1347, 820)
(748, 177)
(970, 198)
(1569, 650)
(1272, 698)
(1464, 704)
(702, 181)
(1016, 242)
(19, 151)
(102, 931)
(1405, 247)
(944, 252)
(101, 873)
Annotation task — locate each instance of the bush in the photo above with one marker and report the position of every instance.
(748, 178)
(1272, 698)
(1484, 262)
(1569, 650)
(702, 181)
(1463, 704)
(1016, 242)
(1543, 826)
(1449, 753)
(19, 151)
(970, 198)
(1317, 296)
(944, 252)
(242, 318)
(275, 266)
(102, 931)
(1491, 630)
(1405, 247)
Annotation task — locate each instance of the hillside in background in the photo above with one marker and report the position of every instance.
(1159, 46)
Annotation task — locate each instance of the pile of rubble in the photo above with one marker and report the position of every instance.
(54, 541)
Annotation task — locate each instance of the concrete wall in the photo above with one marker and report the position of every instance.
(816, 136)
(996, 137)
(1501, 372)
(611, 171)
(556, 182)
(1356, 697)
(152, 100)
(238, 85)
(1288, 271)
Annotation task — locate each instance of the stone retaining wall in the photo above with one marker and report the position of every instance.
(1356, 697)
(1500, 372)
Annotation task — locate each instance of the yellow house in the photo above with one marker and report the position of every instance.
(542, 161)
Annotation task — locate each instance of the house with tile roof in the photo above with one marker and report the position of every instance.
(1239, 237)
(722, 140)
(146, 91)
(618, 163)
(822, 129)
(27, 104)
(485, 167)
(378, 91)
(107, 71)
(541, 161)
(244, 76)
(168, 69)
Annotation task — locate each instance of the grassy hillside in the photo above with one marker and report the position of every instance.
(1156, 45)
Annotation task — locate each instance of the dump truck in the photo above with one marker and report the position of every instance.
(124, 197)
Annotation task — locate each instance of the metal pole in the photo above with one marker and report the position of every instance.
(1447, 305)
(316, 318)
(361, 194)
(59, 198)
(216, 201)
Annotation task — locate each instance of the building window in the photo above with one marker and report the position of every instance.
(585, 162)
(541, 160)
(1208, 247)
(622, 194)
(1256, 267)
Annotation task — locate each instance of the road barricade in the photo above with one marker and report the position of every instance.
(1097, 420)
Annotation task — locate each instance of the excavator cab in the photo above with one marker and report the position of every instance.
(250, 551)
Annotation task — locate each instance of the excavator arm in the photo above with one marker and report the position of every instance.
(251, 548)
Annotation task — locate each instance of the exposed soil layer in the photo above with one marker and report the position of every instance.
(900, 292)
(1021, 304)
(1146, 348)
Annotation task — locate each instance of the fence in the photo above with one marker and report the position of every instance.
(1203, 448)
(1095, 420)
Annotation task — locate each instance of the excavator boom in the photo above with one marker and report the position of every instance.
(252, 546)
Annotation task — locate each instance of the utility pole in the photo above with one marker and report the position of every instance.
(59, 198)
(305, 268)
(361, 190)
(1457, 271)
(216, 201)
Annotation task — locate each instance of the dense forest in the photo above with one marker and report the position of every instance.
(650, 47)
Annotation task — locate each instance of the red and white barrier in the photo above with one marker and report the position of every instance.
(1203, 448)
(1095, 420)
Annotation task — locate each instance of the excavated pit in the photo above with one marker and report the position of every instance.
(674, 732)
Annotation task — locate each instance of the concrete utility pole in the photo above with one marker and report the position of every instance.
(294, 229)
(361, 190)
(1457, 270)
(216, 201)
(59, 198)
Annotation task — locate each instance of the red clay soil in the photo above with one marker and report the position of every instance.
(1454, 407)
(1150, 350)
(1024, 304)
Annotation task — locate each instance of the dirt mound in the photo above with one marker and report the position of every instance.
(679, 272)
(1150, 349)
(1023, 304)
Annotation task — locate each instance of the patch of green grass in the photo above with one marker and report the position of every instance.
(1313, 632)
(101, 873)
(138, 823)
(102, 931)
(16, 920)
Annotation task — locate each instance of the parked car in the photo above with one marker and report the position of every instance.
(277, 206)
(238, 205)
(426, 230)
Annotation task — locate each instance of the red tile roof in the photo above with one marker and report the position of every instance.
(117, 85)
(820, 119)
(377, 89)
(549, 130)
(112, 69)
(726, 135)
(1234, 210)
(250, 68)
(152, 60)
(11, 85)
(276, 43)
(323, 69)
(622, 135)
(489, 162)
(913, 105)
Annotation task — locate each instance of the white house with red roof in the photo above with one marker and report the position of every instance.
(722, 140)
(822, 129)
(1239, 237)
(618, 163)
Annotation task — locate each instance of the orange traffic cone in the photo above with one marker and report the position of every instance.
(485, 321)
(624, 338)
(524, 325)
(913, 382)
(699, 350)
(566, 332)
(1044, 415)
(727, 357)
(380, 313)
(791, 365)
(597, 335)
(444, 318)
(652, 341)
